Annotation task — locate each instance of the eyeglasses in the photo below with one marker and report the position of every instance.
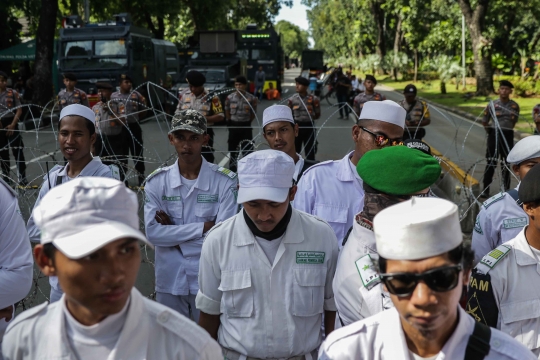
(439, 280)
(382, 140)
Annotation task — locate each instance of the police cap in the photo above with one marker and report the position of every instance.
(70, 76)
(241, 79)
(410, 89)
(195, 78)
(302, 81)
(3, 74)
(506, 83)
(529, 189)
(125, 77)
(104, 86)
(371, 78)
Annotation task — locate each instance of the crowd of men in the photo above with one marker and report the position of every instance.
(284, 258)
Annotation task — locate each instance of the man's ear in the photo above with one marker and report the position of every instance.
(206, 139)
(296, 129)
(356, 133)
(529, 209)
(45, 263)
(170, 136)
(292, 192)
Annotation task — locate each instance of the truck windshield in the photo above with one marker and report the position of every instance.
(106, 54)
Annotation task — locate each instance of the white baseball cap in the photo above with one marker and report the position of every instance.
(386, 111)
(265, 175)
(277, 113)
(417, 229)
(525, 149)
(87, 213)
(79, 110)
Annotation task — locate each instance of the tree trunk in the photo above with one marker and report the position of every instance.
(415, 65)
(443, 87)
(158, 32)
(379, 20)
(397, 46)
(44, 52)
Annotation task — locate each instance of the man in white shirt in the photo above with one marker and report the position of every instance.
(266, 274)
(90, 239)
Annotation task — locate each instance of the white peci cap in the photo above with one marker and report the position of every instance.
(386, 110)
(79, 110)
(417, 229)
(525, 149)
(277, 113)
(87, 213)
(265, 175)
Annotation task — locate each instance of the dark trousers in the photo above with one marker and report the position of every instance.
(15, 142)
(114, 150)
(135, 143)
(414, 133)
(208, 150)
(343, 105)
(306, 135)
(236, 138)
(498, 148)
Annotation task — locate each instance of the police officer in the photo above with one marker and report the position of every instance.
(10, 136)
(91, 241)
(369, 94)
(333, 190)
(110, 119)
(306, 109)
(76, 135)
(423, 264)
(197, 98)
(536, 119)
(280, 131)
(184, 201)
(390, 176)
(504, 290)
(240, 110)
(417, 114)
(135, 108)
(266, 273)
(71, 95)
(502, 217)
(500, 117)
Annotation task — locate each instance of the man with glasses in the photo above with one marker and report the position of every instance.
(504, 288)
(333, 190)
(424, 265)
(391, 175)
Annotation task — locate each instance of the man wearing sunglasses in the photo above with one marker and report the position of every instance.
(504, 291)
(423, 264)
(332, 190)
(401, 172)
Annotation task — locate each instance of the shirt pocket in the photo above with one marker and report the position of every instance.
(521, 320)
(331, 213)
(237, 298)
(234, 107)
(308, 290)
(207, 212)
(175, 210)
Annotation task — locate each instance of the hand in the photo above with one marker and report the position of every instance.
(208, 225)
(7, 313)
(162, 218)
(10, 129)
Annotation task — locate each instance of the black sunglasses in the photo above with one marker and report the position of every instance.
(381, 139)
(439, 280)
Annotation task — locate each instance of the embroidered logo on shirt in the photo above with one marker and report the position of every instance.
(310, 257)
(515, 223)
(203, 198)
(478, 227)
(494, 256)
(367, 272)
(171, 198)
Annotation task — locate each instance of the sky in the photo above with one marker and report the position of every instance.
(296, 15)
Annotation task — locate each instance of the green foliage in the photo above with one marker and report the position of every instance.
(293, 39)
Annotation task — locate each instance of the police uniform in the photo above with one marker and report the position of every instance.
(241, 107)
(134, 104)
(416, 113)
(9, 100)
(500, 138)
(305, 111)
(536, 118)
(362, 98)
(15, 253)
(206, 106)
(77, 96)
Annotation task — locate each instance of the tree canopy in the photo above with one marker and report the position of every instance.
(293, 39)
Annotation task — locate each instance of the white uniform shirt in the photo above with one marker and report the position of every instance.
(357, 288)
(16, 262)
(298, 167)
(331, 191)
(269, 311)
(515, 284)
(212, 198)
(500, 219)
(150, 331)
(381, 337)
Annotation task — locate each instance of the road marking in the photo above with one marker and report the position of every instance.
(224, 160)
(35, 159)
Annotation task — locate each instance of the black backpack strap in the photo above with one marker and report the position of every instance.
(478, 346)
(58, 180)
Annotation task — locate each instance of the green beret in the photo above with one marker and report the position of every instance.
(398, 170)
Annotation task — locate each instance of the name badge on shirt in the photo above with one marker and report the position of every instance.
(171, 198)
(204, 198)
(515, 223)
(367, 272)
(310, 257)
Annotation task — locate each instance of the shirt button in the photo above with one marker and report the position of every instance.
(163, 317)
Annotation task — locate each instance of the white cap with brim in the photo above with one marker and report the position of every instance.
(525, 149)
(277, 113)
(87, 213)
(78, 110)
(417, 229)
(265, 175)
(386, 111)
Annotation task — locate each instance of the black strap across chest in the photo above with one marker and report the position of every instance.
(478, 346)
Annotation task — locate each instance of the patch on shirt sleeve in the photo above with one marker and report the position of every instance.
(492, 200)
(226, 172)
(515, 223)
(478, 227)
(310, 257)
(494, 256)
(368, 274)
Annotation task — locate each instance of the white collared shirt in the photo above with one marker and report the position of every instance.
(268, 311)
(298, 167)
(212, 198)
(333, 192)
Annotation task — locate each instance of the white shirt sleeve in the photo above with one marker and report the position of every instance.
(33, 231)
(482, 237)
(305, 195)
(209, 296)
(228, 206)
(329, 300)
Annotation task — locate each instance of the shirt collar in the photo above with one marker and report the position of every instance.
(203, 181)
(344, 172)
(89, 170)
(523, 253)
